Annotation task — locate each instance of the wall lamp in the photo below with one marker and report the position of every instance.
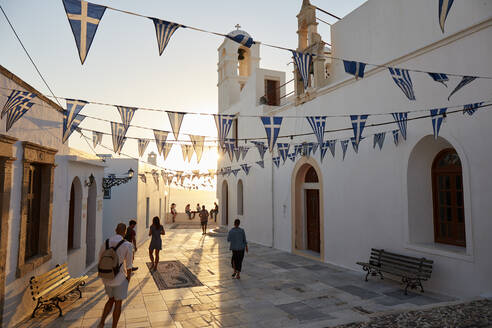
(112, 180)
(90, 181)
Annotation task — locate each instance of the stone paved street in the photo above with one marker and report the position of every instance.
(277, 289)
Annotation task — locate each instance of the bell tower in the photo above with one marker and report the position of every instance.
(236, 64)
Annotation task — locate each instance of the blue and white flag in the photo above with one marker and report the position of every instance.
(198, 142)
(229, 145)
(276, 161)
(292, 156)
(303, 63)
(314, 146)
(69, 128)
(401, 119)
(160, 140)
(358, 124)
(223, 123)
(318, 125)
(241, 37)
(379, 140)
(17, 105)
(142, 146)
(73, 109)
(444, 7)
(470, 109)
(237, 153)
(272, 128)
(355, 145)
(175, 119)
(396, 133)
(437, 115)
(260, 145)
(96, 138)
(227, 171)
(84, 18)
(164, 30)
(189, 151)
(439, 77)
(464, 81)
(244, 152)
(118, 132)
(261, 164)
(283, 150)
(344, 144)
(330, 144)
(245, 168)
(235, 172)
(298, 149)
(403, 81)
(126, 114)
(167, 149)
(184, 151)
(354, 68)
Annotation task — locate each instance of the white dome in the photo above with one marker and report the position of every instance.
(238, 32)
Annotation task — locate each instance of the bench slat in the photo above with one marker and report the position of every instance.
(406, 265)
(41, 293)
(48, 282)
(404, 256)
(58, 268)
(389, 266)
(65, 288)
(415, 261)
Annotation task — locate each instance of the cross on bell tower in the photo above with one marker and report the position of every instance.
(237, 26)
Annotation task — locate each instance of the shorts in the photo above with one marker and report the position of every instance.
(119, 292)
(204, 223)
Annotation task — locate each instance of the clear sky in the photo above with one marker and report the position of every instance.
(123, 65)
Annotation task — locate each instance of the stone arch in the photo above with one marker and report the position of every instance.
(90, 236)
(240, 197)
(75, 215)
(224, 201)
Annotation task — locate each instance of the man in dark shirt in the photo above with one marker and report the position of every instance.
(131, 237)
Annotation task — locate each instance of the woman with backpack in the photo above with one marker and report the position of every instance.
(155, 231)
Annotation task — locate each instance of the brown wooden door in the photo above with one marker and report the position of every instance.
(312, 218)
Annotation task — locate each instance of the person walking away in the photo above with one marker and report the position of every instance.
(204, 219)
(115, 269)
(198, 209)
(174, 213)
(188, 211)
(216, 211)
(237, 238)
(131, 237)
(156, 230)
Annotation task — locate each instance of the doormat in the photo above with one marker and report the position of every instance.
(173, 274)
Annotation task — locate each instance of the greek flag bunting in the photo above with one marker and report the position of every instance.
(118, 132)
(292, 156)
(276, 161)
(155, 175)
(235, 172)
(164, 30)
(184, 151)
(142, 146)
(283, 150)
(358, 124)
(189, 152)
(439, 77)
(246, 168)
(229, 147)
(261, 164)
(355, 145)
(223, 123)
(73, 109)
(18, 101)
(437, 115)
(379, 140)
(198, 142)
(84, 18)
(403, 81)
(241, 38)
(244, 152)
(331, 146)
(237, 153)
(126, 114)
(160, 140)
(272, 128)
(344, 144)
(464, 81)
(96, 138)
(354, 68)
(314, 146)
(444, 7)
(401, 121)
(318, 125)
(68, 129)
(470, 109)
(303, 63)
(298, 149)
(175, 119)
(396, 133)
(167, 149)
(143, 178)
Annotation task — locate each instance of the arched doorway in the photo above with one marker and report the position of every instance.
(307, 209)
(240, 198)
(225, 204)
(90, 235)
(74, 215)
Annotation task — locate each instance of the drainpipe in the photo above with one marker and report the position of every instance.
(273, 210)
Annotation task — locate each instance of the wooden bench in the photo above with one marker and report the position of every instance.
(412, 270)
(53, 287)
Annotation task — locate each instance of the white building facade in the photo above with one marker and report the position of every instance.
(335, 210)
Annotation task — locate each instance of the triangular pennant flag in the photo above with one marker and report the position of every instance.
(84, 18)
(160, 140)
(235, 172)
(379, 140)
(18, 101)
(437, 115)
(164, 30)
(184, 150)
(396, 133)
(439, 77)
(143, 177)
(14, 113)
(261, 164)
(96, 138)
(167, 149)
(344, 144)
(303, 64)
(403, 81)
(223, 123)
(142, 146)
(358, 124)
(272, 128)
(283, 150)
(170, 179)
(155, 175)
(241, 38)
(354, 68)
(244, 152)
(323, 149)
(401, 120)
(229, 148)
(68, 130)
(464, 81)
(126, 114)
(307, 148)
(318, 125)
(298, 149)
(198, 142)
(189, 152)
(74, 107)
(470, 109)
(246, 168)
(175, 119)
(314, 145)
(227, 170)
(444, 7)
(331, 146)
(292, 156)
(276, 161)
(355, 145)
(260, 145)
(118, 132)
(237, 153)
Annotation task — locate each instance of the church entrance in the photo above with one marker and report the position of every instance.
(312, 219)
(90, 236)
(225, 204)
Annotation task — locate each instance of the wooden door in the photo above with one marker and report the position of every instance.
(312, 220)
(226, 212)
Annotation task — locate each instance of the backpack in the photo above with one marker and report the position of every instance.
(109, 264)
